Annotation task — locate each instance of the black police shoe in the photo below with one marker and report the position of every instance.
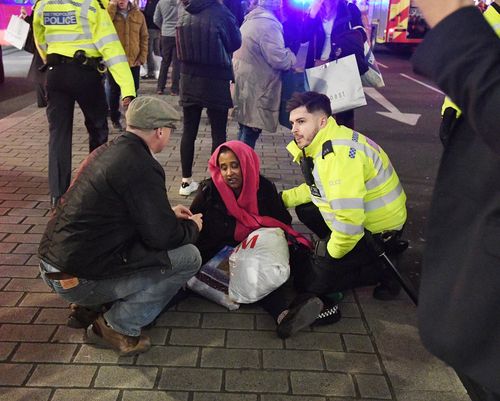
(329, 315)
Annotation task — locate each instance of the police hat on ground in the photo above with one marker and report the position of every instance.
(148, 112)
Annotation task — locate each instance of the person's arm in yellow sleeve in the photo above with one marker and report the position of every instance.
(345, 196)
(39, 33)
(296, 196)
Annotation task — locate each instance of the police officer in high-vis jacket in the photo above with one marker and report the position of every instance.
(351, 192)
(78, 41)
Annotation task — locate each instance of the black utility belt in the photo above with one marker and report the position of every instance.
(89, 62)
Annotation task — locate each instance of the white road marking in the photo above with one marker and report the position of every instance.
(392, 111)
(422, 83)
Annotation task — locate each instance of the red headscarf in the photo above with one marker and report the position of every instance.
(245, 209)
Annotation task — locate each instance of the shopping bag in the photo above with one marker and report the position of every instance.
(372, 77)
(17, 31)
(212, 281)
(259, 265)
(340, 81)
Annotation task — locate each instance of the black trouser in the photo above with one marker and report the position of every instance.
(168, 55)
(67, 83)
(192, 116)
(360, 267)
(114, 98)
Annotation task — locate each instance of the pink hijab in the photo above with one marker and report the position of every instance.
(245, 209)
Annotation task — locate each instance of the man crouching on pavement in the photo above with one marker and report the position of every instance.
(115, 240)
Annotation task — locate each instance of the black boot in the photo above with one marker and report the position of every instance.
(302, 312)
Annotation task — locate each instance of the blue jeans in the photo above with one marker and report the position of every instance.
(138, 298)
(248, 135)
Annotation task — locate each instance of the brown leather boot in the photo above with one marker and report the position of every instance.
(125, 345)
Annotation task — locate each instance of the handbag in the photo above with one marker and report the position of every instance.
(351, 42)
(17, 32)
(372, 77)
(340, 81)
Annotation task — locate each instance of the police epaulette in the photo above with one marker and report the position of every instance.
(327, 148)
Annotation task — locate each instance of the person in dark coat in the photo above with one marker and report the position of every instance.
(115, 243)
(207, 35)
(458, 313)
(153, 38)
(328, 20)
(237, 200)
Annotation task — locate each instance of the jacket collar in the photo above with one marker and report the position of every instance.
(135, 138)
(315, 146)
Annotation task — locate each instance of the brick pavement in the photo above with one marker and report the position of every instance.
(201, 351)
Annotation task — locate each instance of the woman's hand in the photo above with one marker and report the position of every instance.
(198, 219)
(315, 7)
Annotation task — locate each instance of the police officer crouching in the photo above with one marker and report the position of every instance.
(78, 41)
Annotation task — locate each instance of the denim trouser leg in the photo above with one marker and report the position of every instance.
(248, 135)
(139, 298)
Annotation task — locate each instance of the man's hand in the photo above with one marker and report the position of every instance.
(198, 219)
(182, 212)
(434, 11)
(126, 101)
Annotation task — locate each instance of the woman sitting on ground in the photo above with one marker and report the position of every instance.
(238, 200)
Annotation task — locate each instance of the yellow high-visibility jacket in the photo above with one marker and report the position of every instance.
(492, 15)
(65, 26)
(356, 186)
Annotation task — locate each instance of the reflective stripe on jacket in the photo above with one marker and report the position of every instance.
(492, 15)
(358, 187)
(65, 26)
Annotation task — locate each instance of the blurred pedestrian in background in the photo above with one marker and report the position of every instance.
(165, 17)
(131, 27)
(207, 35)
(258, 65)
(153, 39)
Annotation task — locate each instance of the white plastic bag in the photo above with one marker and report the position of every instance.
(17, 31)
(340, 81)
(373, 77)
(258, 265)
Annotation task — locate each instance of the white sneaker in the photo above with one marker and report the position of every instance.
(187, 189)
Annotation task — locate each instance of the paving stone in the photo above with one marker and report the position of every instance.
(3, 282)
(229, 358)
(26, 332)
(26, 212)
(227, 321)
(85, 395)
(356, 343)
(253, 339)
(350, 309)
(13, 259)
(24, 394)
(14, 228)
(345, 325)
(327, 384)
(203, 337)
(53, 316)
(13, 374)
(91, 354)
(23, 238)
(265, 322)
(19, 271)
(288, 397)
(19, 204)
(17, 314)
(66, 334)
(352, 362)
(6, 247)
(256, 381)
(6, 350)
(27, 248)
(179, 319)
(292, 359)
(322, 341)
(10, 298)
(154, 395)
(190, 379)
(44, 299)
(169, 356)
(36, 352)
(62, 376)
(158, 335)
(431, 396)
(27, 285)
(126, 377)
(373, 386)
(224, 397)
(199, 305)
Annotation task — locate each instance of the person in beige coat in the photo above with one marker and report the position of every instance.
(257, 69)
(132, 30)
